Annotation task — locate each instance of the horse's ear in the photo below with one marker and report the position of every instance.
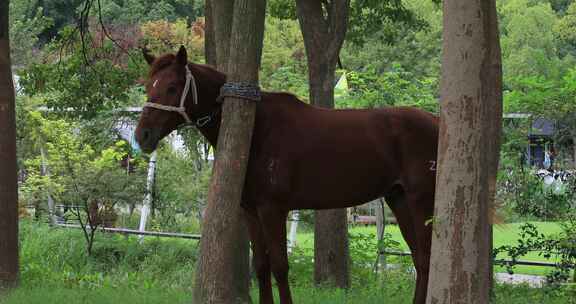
(182, 56)
(149, 57)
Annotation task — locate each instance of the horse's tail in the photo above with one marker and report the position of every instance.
(496, 218)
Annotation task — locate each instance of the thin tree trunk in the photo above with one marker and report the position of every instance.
(209, 35)
(45, 172)
(146, 204)
(8, 173)
(470, 127)
(323, 37)
(221, 275)
(293, 230)
(192, 16)
(380, 230)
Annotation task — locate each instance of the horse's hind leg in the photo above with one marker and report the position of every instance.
(261, 261)
(274, 223)
(422, 209)
(397, 202)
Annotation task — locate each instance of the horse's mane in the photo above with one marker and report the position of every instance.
(167, 59)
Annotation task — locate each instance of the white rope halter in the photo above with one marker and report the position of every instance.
(180, 109)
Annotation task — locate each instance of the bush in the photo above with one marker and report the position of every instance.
(525, 194)
(561, 248)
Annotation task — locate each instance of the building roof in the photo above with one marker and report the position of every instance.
(543, 127)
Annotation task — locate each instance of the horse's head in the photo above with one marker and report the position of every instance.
(179, 92)
(169, 87)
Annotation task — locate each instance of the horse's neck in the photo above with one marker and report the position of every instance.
(211, 130)
(209, 88)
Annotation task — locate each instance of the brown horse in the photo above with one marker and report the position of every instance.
(304, 157)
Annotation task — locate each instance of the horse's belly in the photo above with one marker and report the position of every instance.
(336, 186)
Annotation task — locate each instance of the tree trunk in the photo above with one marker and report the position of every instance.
(331, 256)
(8, 173)
(209, 35)
(221, 274)
(324, 28)
(147, 203)
(293, 230)
(380, 231)
(468, 153)
(51, 208)
(222, 14)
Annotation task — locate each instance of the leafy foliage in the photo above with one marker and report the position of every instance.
(393, 88)
(376, 16)
(283, 58)
(25, 29)
(81, 84)
(366, 17)
(78, 176)
(181, 187)
(526, 194)
(141, 11)
(537, 58)
(162, 36)
(63, 13)
(564, 30)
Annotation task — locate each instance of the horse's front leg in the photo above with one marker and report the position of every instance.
(261, 261)
(274, 226)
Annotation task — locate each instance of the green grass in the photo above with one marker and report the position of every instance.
(105, 295)
(395, 290)
(506, 234)
(55, 270)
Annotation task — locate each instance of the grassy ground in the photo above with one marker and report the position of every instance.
(106, 295)
(506, 234)
(56, 270)
(393, 292)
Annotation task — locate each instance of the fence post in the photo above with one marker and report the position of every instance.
(380, 228)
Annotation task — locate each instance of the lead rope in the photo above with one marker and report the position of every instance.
(241, 90)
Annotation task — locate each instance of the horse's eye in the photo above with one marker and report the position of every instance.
(171, 90)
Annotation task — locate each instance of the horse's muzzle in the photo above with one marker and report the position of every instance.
(148, 139)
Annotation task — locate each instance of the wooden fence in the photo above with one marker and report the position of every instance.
(501, 261)
(198, 236)
(137, 232)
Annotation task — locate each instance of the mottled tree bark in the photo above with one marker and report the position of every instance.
(222, 272)
(324, 26)
(222, 14)
(468, 153)
(209, 35)
(8, 171)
